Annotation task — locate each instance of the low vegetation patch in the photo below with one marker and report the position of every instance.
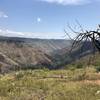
(78, 84)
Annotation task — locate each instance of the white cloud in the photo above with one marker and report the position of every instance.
(6, 32)
(0, 30)
(68, 2)
(10, 33)
(3, 15)
(14, 32)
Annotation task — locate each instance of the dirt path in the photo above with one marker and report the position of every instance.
(65, 77)
(92, 81)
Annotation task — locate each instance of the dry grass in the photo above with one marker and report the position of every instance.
(50, 85)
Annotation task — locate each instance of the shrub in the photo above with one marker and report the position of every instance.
(98, 68)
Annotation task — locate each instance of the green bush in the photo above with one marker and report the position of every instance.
(98, 68)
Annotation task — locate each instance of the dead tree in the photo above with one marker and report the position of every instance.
(92, 36)
(83, 37)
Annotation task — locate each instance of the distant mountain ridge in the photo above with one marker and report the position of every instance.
(44, 44)
(24, 53)
(29, 53)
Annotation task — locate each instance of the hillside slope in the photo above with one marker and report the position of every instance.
(66, 56)
(26, 53)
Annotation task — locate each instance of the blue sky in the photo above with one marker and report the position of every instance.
(46, 18)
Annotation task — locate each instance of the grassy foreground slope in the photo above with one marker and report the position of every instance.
(78, 84)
